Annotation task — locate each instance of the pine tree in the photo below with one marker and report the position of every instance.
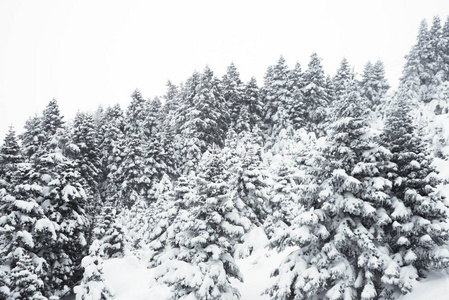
(316, 96)
(374, 84)
(419, 215)
(25, 284)
(87, 156)
(253, 102)
(233, 93)
(343, 79)
(33, 138)
(277, 95)
(4, 285)
(444, 50)
(171, 99)
(201, 120)
(51, 119)
(132, 172)
(93, 285)
(111, 234)
(417, 73)
(54, 183)
(337, 232)
(205, 242)
(10, 157)
(111, 145)
(250, 179)
(298, 113)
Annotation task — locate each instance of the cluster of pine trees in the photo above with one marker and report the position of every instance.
(186, 178)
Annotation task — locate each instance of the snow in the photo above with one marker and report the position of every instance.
(130, 279)
(45, 225)
(26, 238)
(26, 206)
(435, 287)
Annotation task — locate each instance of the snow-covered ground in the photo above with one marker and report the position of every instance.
(131, 280)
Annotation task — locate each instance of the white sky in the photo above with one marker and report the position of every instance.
(86, 53)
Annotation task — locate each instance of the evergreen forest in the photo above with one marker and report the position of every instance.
(340, 168)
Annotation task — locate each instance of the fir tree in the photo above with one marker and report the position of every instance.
(171, 99)
(93, 285)
(132, 172)
(250, 179)
(298, 113)
(418, 71)
(233, 91)
(338, 255)
(10, 157)
(253, 102)
(33, 138)
(277, 96)
(205, 242)
(419, 215)
(111, 145)
(87, 156)
(25, 284)
(51, 119)
(111, 234)
(316, 95)
(202, 119)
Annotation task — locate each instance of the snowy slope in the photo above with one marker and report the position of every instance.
(130, 280)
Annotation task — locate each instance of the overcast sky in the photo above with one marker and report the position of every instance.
(87, 53)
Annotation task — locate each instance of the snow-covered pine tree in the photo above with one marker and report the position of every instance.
(154, 117)
(4, 285)
(340, 233)
(253, 101)
(250, 184)
(316, 96)
(63, 200)
(24, 283)
(156, 159)
(298, 113)
(134, 222)
(87, 156)
(277, 94)
(111, 233)
(171, 99)
(21, 218)
(10, 157)
(419, 227)
(111, 145)
(233, 93)
(93, 285)
(373, 85)
(169, 219)
(132, 172)
(286, 177)
(343, 79)
(51, 119)
(203, 263)
(444, 49)
(54, 183)
(33, 138)
(186, 146)
(202, 119)
(418, 70)
(243, 123)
